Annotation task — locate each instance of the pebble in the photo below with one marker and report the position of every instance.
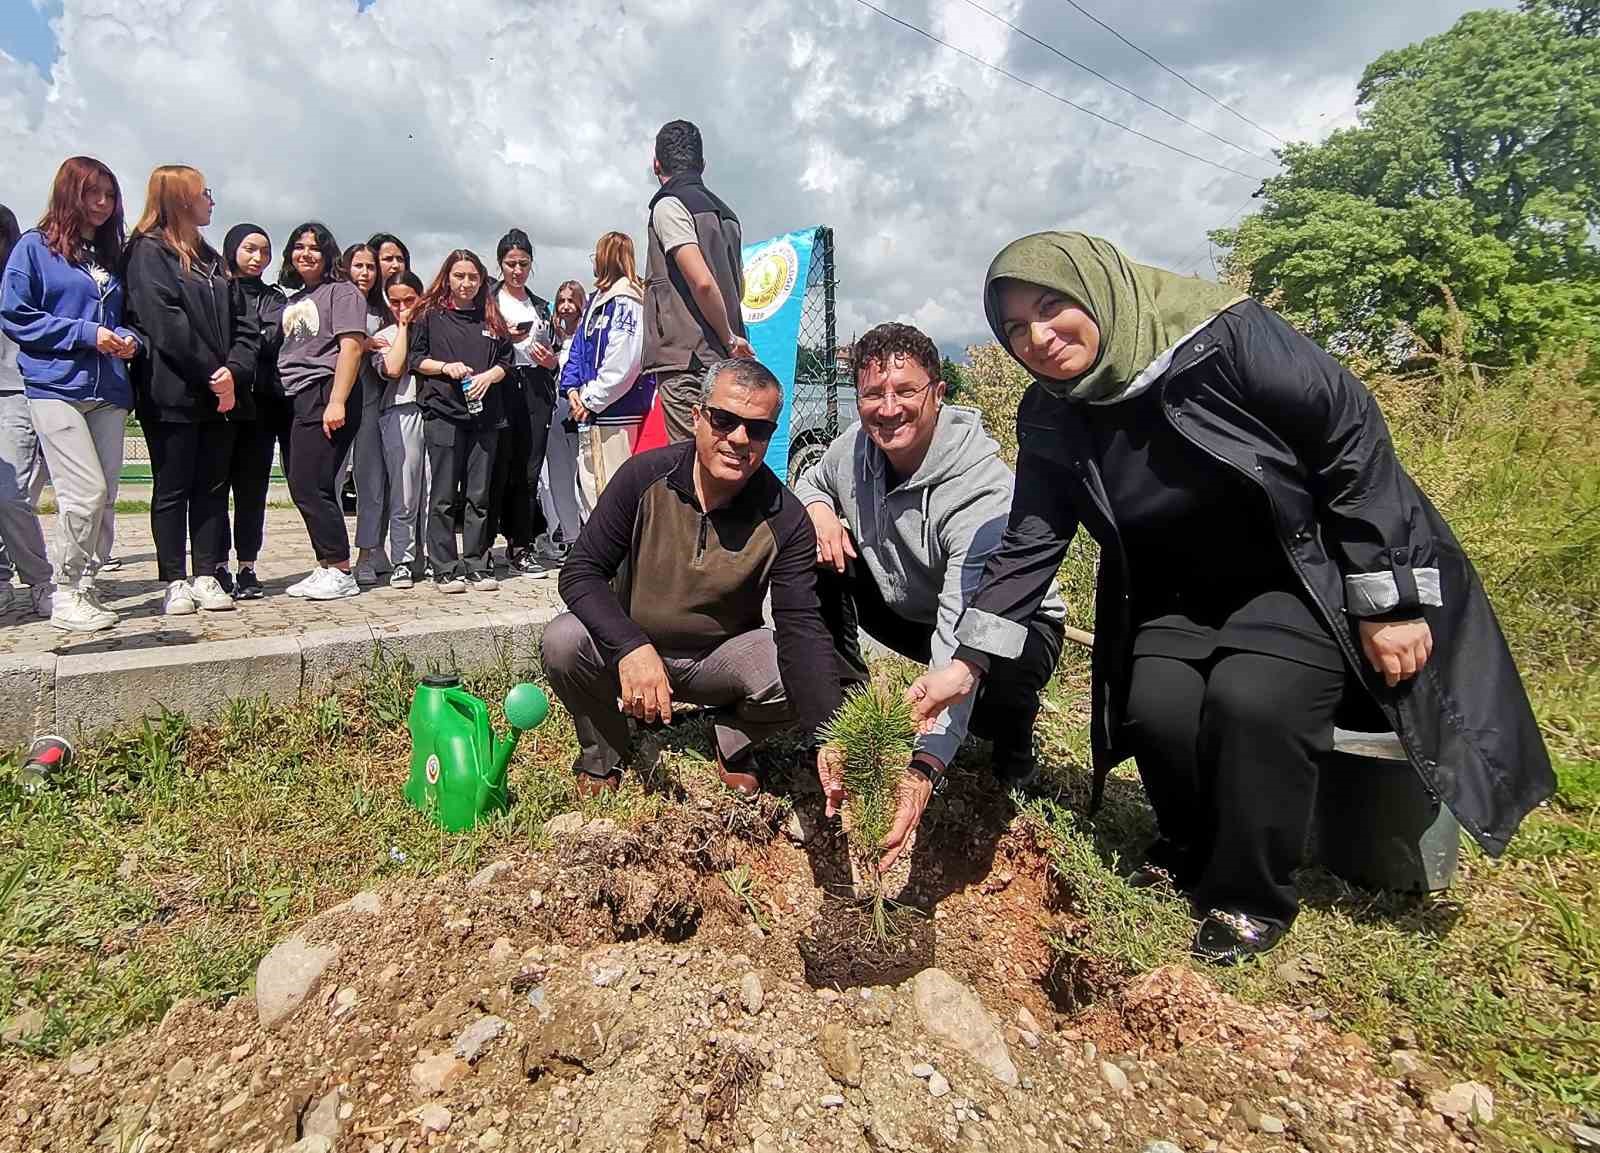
(937, 1085)
(922, 1071)
(236, 1102)
(831, 1101)
(840, 1054)
(535, 899)
(476, 1037)
(490, 1139)
(434, 1118)
(608, 975)
(487, 875)
(436, 1072)
(1466, 1100)
(181, 1073)
(1161, 1147)
(1028, 1022)
(1114, 1077)
(82, 1064)
(751, 994)
(286, 976)
(563, 825)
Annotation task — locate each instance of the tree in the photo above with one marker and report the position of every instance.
(954, 380)
(1472, 182)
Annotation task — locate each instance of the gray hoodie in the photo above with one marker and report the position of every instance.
(926, 540)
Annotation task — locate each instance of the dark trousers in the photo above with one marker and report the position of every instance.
(189, 497)
(314, 460)
(461, 457)
(1008, 697)
(1228, 749)
(739, 679)
(514, 504)
(250, 473)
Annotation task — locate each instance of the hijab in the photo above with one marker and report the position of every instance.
(1142, 312)
(252, 285)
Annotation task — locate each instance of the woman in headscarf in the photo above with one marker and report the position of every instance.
(1265, 563)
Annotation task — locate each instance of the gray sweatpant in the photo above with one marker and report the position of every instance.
(559, 495)
(368, 457)
(739, 679)
(22, 477)
(405, 458)
(82, 445)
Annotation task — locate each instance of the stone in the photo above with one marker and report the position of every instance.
(322, 1118)
(286, 976)
(368, 903)
(181, 1073)
(601, 828)
(434, 1073)
(877, 1007)
(1027, 1022)
(487, 875)
(1586, 1136)
(751, 994)
(607, 975)
(694, 1124)
(82, 1064)
(24, 1024)
(799, 827)
(564, 825)
(490, 1139)
(952, 1013)
(433, 1118)
(1258, 1120)
(1160, 1147)
(233, 1104)
(1465, 1100)
(922, 1071)
(312, 1144)
(535, 899)
(475, 1038)
(831, 1101)
(502, 951)
(1114, 1077)
(841, 1056)
(938, 1086)
(240, 1052)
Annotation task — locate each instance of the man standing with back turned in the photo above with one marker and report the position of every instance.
(695, 270)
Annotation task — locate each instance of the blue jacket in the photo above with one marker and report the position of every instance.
(53, 310)
(604, 356)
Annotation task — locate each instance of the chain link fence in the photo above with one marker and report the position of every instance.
(824, 396)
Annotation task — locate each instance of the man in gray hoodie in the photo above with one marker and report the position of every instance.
(907, 506)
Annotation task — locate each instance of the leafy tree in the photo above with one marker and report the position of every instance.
(954, 380)
(1461, 213)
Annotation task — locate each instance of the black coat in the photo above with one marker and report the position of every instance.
(1260, 398)
(261, 306)
(190, 328)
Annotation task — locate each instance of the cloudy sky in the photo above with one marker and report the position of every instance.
(446, 121)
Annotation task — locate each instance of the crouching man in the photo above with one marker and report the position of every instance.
(907, 506)
(664, 590)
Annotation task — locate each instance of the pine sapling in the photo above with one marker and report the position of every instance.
(874, 732)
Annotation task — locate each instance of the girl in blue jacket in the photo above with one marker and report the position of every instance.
(61, 303)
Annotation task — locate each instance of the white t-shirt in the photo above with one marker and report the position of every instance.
(673, 223)
(402, 391)
(518, 312)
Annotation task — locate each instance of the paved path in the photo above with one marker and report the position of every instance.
(136, 595)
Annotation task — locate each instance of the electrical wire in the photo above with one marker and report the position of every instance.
(1119, 87)
(1159, 63)
(1060, 99)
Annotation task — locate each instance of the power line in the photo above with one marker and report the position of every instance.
(1205, 244)
(1061, 99)
(1175, 72)
(1119, 87)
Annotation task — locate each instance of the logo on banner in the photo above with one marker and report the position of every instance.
(769, 278)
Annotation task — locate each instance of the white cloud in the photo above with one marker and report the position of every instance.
(447, 121)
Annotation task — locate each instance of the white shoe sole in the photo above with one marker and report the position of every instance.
(220, 607)
(342, 594)
(179, 610)
(81, 626)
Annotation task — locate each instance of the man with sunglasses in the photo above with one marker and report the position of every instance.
(908, 506)
(665, 586)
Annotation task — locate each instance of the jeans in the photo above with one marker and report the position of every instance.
(22, 477)
(82, 445)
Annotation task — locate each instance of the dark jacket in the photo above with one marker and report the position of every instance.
(685, 580)
(262, 305)
(447, 335)
(189, 328)
(1262, 399)
(676, 336)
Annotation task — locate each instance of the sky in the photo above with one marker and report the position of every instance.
(448, 121)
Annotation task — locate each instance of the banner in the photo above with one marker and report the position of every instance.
(775, 274)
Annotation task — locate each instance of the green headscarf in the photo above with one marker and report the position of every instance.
(1141, 311)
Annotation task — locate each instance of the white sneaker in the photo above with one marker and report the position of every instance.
(484, 582)
(180, 600)
(92, 595)
(8, 596)
(75, 612)
(43, 597)
(400, 578)
(333, 585)
(298, 589)
(452, 585)
(209, 594)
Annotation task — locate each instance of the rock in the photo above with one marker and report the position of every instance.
(24, 1024)
(502, 951)
(313, 1144)
(1114, 1077)
(1466, 1100)
(1027, 1022)
(799, 827)
(238, 1101)
(599, 829)
(475, 1038)
(181, 1073)
(922, 1071)
(751, 994)
(345, 1000)
(831, 1101)
(564, 825)
(82, 1064)
(535, 899)
(487, 875)
(840, 1054)
(694, 1124)
(322, 1118)
(286, 976)
(877, 1007)
(938, 1086)
(240, 1052)
(434, 1073)
(607, 975)
(433, 1118)
(490, 1139)
(1160, 1147)
(952, 1013)
(1259, 1121)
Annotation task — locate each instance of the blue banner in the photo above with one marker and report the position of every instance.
(775, 273)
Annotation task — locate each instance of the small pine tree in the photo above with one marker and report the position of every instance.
(874, 731)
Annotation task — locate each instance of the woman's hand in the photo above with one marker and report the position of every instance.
(580, 413)
(455, 370)
(479, 389)
(109, 343)
(332, 418)
(377, 343)
(543, 355)
(830, 775)
(223, 386)
(1397, 650)
(938, 689)
(833, 539)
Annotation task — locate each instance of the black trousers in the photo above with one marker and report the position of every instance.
(461, 457)
(314, 460)
(189, 497)
(1008, 697)
(514, 493)
(1228, 748)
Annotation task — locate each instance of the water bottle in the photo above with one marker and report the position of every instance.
(474, 407)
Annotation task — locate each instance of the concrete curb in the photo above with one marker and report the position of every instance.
(79, 695)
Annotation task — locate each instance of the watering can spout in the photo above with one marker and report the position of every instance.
(526, 708)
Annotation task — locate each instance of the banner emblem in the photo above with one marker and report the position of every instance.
(770, 275)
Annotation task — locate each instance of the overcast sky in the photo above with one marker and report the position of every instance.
(447, 121)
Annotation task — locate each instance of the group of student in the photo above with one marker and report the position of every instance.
(466, 405)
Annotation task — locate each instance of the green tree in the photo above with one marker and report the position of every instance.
(1461, 213)
(954, 380)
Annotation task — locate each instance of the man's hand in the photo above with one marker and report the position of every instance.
(938, 689)
(739, 348)
(915, 789)
(833, 539)
(830, 775)
(646, 694)
(1397, 650)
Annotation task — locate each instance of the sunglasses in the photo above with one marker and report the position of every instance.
(724, 422)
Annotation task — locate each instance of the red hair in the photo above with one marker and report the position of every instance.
(62, 223)
(438, 294)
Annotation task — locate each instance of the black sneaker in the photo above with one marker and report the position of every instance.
(1227, 938)
(1015, 767)
(247, 586)
(224, 578)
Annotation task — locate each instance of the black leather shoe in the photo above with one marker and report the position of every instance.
(1227, 938)
(1151, 876)
(1163, 865)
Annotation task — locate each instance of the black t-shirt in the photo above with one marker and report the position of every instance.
(447, 335)
(1205, 568)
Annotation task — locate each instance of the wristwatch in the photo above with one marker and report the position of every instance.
(934, 777)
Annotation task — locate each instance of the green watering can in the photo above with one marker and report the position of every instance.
(458, 768)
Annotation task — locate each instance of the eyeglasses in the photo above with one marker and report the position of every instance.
(206, 192)
(906, 396)
(724, 422)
